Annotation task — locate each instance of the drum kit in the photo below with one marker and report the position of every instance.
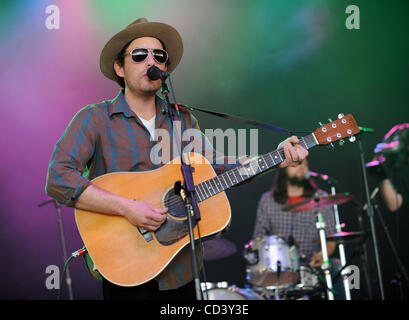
(273, 265)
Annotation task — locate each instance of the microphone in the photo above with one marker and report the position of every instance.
(363, 129)
(321, 176)
(154, 73)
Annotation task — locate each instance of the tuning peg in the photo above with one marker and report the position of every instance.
(352, 139)
(320, 123)
(340, 116)
(332, 145)
(329, 119)
(341, 142)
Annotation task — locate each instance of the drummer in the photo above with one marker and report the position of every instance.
(291, 185)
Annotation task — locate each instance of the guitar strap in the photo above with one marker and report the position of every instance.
(235, 118)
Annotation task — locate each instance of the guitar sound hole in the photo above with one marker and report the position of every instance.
(175, 204)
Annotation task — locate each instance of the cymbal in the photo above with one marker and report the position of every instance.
(218, 248)
(320, 202)
(340, 236)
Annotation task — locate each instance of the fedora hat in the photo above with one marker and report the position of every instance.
(137, 29)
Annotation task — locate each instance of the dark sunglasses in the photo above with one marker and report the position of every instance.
(140, 54)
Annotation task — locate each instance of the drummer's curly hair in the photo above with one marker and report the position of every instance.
(279, 189)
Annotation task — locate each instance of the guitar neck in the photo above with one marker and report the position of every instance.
(242, 173)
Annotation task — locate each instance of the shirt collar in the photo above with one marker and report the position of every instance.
(120, 105)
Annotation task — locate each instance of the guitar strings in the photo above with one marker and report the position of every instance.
(176, 201)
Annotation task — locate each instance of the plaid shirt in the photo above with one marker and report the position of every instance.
(109, 137)
(272, 220)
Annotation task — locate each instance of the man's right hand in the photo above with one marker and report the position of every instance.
(145, 215)
(139, 213)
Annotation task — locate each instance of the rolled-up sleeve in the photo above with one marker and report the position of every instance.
(65, 177)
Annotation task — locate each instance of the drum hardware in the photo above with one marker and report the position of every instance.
(277, 297)
(308, 278)
(341, 248)
(318, 202)
(325, 262)
(271, 263)
(358, 250)
(344, 236)
(251, 255)
(222, 291)
(273, 267)
(213, 285)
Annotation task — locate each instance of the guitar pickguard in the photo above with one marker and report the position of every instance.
(171, 231)
(176, 225)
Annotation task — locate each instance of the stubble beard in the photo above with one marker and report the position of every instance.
(144, 88)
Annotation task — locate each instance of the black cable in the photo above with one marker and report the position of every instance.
(62, 275)
(75, 254)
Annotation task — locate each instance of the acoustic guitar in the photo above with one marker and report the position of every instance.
(127, 255)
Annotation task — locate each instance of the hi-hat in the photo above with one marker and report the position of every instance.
(341, 236)
(319, 202)
(218, 248)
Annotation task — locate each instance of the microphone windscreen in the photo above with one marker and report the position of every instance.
(153, 73)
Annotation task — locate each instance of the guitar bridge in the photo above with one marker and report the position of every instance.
(146, 234)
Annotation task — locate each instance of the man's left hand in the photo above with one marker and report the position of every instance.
(293, 151)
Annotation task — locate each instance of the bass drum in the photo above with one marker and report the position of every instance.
(221, 291)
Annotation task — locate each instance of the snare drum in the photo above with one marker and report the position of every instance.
(271, 262)
(221, 291)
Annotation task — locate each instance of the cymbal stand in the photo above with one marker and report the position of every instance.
(341, 250)
(325, 263)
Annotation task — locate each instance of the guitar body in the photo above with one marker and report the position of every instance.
(119, 250)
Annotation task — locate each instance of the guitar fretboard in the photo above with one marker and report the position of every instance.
(241, 173)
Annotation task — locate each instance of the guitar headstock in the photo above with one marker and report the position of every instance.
(343, 127)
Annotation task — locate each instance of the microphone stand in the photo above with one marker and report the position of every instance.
(370, 213)
(64, 249)
(394, 251)
(192, 209)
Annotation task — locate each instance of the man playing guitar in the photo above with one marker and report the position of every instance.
(115, 136)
